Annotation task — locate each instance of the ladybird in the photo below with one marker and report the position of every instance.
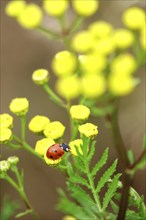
(56, 151)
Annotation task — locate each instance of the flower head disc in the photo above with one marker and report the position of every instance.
(123, 38)
(5, 135)
(38, 124)
(19, 106)
(79, 112)
(43, 144)
(76, 144)
(54, 130)
(89, 130)
(6, 121)
(100, 29)
(40, 76)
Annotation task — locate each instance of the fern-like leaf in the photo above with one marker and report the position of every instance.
(91, 151)
(83, 198)
(71, 208)
(78, 179)
(100, 163)
(111, 190)
(108, 173)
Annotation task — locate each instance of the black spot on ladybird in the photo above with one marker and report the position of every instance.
(51, 157)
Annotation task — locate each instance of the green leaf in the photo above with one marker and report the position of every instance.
(71, 208)
(9, 208)
(79, 164)
(79, 179)
(83, 198)
(114, 206)
(111, 190)
(100, 163)
(91, 151)
(105, 177)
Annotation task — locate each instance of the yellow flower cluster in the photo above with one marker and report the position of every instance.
(38, 124)
(6, 123)
(40, 76)
(89, 130)
(76, 144)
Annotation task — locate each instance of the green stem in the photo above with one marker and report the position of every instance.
(23, 126)
(50, 34)
(75, 131)
(12, 182)
(92, 186)
(27, 147)
(53, 96)
(86, 142)
(76, 24)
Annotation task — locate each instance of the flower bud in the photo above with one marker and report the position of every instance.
(6, 121)
(100, 29)
(54, 130)
(31, 16)
(85, 8)
(79, 113)
(40, 76)
(123, 38)
(38, 124)
(13, 160)
(5, 135)
(89, 130)
(43, 144)
(19, 106)
(64, 63)
(4, 166)
(15, 8)
(55, 8)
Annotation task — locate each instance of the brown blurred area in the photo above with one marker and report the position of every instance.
(23, 51)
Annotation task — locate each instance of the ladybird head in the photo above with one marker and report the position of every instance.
(65, 147)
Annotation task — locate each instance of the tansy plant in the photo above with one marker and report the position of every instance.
(97, 67)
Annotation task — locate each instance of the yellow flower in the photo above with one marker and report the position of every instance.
(31, 16)
(43, 144)
(19, 106)
(123, 64)
(89, 130)
(54, 130)
(79, 112)
(100, 29)
(123, 38)
(4, 166)
(92, 62)
(68, 217)
(93, 86)
(85, 8)
(13, 160)
(52, 162)
(6, 121)
(121, 85)
(104, 46)
(83, 41)
(68, 87)
(15, 8)
(38, 124)
(55, 8)
(64, 63)
(40, 76)
(134, 18)
(76, 144)
(5, 135)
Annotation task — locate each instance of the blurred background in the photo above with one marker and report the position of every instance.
(23, 51)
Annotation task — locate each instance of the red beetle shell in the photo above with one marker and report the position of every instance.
(54, 152)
